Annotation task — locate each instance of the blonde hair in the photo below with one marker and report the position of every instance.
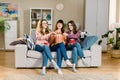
(40, 28)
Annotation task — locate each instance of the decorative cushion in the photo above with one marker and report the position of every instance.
(18, 41)
(83, 35)
(88, 42)
(29, 42)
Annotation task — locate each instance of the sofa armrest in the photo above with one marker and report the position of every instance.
(20, 55)
(96, 54)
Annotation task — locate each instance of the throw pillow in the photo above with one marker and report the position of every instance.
(83, 35)
(88, 42)
(29, 42)
(18, 41)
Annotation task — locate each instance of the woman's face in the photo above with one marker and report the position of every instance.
(44, 24)
(59, 25)
(70, 26)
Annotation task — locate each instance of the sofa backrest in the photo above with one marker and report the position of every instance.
(33, 35)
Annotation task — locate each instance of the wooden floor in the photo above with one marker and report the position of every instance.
(7, 66)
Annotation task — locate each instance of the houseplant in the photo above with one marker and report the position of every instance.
(2, 30)
(113, 40)
(3, 27)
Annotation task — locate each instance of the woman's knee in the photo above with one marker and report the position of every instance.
(46, 47)
(75, 48)
(61, 43)
(78, 45)
(38, 48)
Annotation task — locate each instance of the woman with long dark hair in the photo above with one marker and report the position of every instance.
(73, 43)
(57, 43)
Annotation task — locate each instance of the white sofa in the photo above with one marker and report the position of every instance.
(25, 58)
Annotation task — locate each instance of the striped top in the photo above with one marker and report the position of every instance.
(73, 36)
(42, 39)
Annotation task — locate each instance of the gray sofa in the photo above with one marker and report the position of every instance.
(25, 58)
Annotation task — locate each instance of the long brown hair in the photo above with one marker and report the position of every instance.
(40, 27)
(74, 26)
(62, 22)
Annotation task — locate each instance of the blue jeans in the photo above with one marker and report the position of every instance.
(61, 52)
(46, 54)
(76, 51)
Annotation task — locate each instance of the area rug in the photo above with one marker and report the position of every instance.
(61, 77)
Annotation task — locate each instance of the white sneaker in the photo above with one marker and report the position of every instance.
(55, 65)
(84, 62)
(68, 63)
(73, 68)
(43, 72)
(60, 72)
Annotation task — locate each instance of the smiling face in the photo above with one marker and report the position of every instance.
(70, 26)
(43, 27)
(59, 25)
(44, 24)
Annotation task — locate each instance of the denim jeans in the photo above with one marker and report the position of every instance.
(76, 51)
(61, 52)
(46, 54)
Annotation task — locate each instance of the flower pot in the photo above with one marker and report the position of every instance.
(115, 53)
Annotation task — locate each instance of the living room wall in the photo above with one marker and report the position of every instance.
(73, 10)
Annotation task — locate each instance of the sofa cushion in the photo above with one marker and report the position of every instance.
(18, 41)
(29, 42)
(38, 55)
(34, 54)
(88, 42)
(87, 53)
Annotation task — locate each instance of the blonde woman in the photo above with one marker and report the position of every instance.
(42, 45)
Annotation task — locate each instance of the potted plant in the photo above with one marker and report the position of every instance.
(113, 40)
(3, 27)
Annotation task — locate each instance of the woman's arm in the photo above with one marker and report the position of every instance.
(65, 38)
(74, 36)
(78, 33)
(39, 36)
(52, 39)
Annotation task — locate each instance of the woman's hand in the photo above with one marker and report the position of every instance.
(65, 34)
(52, 33)
(46, 43)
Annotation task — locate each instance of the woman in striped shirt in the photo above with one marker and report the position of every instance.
(73, 43)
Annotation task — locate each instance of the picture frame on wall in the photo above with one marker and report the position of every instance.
(8, 10)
